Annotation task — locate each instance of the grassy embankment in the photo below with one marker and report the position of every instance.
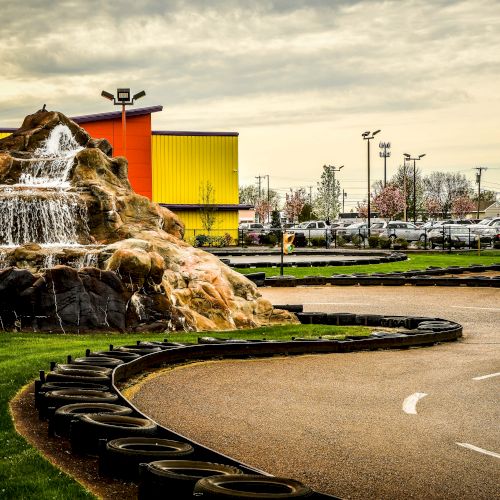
(24, 474)
(415, 261)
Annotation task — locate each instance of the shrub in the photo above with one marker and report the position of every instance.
(273, 239)
(373, 241)
(317, 241)
(496, 244)
(400, 243)
(341, 241)
(251, 239)
(384, 243)
(357, 240)
(201, 240)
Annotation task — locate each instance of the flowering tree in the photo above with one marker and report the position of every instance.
(461, 206)
(294, 202)
(327, 201)
(389, 202)
(362, 209)
(262, 209)
(433, 207)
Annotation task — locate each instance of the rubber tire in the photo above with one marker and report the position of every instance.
(90, 378)
(124, 356)
(165, 475)
(87, 430)
(121, 457)
(83, 370)
(61, 420)
(63, 397)
(99, 361)
(220, 487)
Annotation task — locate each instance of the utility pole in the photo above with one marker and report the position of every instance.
(479, 171)
(259, 178)
(310, 195)
(344, 195)
(368, 136)
(408, 157)
(385, 154)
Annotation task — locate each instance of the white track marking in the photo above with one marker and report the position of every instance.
(410, 403)
(480, 308)
(486, 376)
(480, 450)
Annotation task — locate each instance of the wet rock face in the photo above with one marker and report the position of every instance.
(133, 272)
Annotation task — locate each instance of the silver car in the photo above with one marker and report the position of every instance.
(399, 229)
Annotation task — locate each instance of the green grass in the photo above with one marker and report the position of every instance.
(415, 261)
(24, 474)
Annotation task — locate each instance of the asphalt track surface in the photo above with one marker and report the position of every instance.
(357, 425)
(276, 258)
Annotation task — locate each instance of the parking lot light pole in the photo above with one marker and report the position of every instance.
(123, 98)
(408, 157)
(368, 136)
(385, 154)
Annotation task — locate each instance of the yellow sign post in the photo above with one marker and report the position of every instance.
(286, 247)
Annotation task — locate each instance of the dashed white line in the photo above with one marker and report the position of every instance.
(410, 403)
(480, 450)
(482, 377)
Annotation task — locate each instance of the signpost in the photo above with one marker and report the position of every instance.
(286, 247)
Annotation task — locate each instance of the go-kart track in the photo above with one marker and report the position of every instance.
(419, 423)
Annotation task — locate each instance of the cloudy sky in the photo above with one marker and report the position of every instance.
(300, 80)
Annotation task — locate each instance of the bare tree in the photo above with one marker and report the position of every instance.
(445, 187)
(208, 211)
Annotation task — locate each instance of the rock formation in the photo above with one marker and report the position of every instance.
(82, 251)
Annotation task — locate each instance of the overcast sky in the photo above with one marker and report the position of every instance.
(300, 81)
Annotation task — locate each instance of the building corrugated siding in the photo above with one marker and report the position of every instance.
(227, 222)
(183, 164)
(4, 134)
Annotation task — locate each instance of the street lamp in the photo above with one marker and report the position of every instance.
(408, 157)
(330, 189)
(385, 154)
(123, 99)
(368, 136)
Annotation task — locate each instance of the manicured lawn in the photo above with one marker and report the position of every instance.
(24, 474)
(415, 261)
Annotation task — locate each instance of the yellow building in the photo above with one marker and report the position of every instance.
(195, 174)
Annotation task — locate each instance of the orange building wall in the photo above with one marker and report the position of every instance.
(138, 147)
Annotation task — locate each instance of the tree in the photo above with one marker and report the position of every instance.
(445, 187)
(294, 202)
(362, 208)
(432, 207)
(487, 197)
(327, 202)
(461, 206)
(403, 178)
(389, 202)
(262, 209)
(208, 211)
(307, 213)
(249, 195)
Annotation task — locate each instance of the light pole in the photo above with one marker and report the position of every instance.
(385, 154)
(123, 99)
(408, 157)
(368, 136)
(344, 196)
(268, 198)
(330, 187)
(478, 181)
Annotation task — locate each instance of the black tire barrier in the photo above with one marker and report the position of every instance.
(82, 369)
(257, 278)
(86, 431)
(63, 397)
(422, 277)
(177, 478)
(311, 318)
(124, 356)
(120, 458)
(295, 308)
(98, 361)
(41, 388)
(250, 486)
(138, 349)
(90, 378)
(60, 421)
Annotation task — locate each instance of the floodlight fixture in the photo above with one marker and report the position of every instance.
(107, 95)
(364, 134)
(367, 136)
(415, 158)
(375, 133)
(139, 95)
(421, 156)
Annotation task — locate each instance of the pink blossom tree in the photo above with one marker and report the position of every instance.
(433, 207)
(389, 202)
(294, 202)
(461, 206)
(362, 209)
(262, 209)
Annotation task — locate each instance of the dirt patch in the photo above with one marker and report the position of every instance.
(57, 451)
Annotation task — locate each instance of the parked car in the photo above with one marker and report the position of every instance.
(489, 233)
(399, 229)
(312, 229)
(356, 229)
(439, 223)
(254, 227)
(486, 225)
(452, 235)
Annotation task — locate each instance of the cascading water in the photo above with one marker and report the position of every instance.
(39, 208)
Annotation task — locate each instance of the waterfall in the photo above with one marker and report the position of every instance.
(52, 162)
(39, 208)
